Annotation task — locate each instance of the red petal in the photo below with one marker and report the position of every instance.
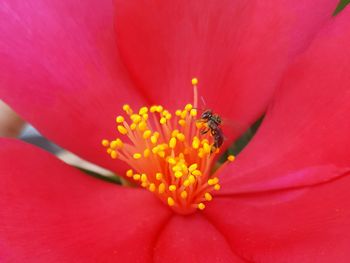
(51, 212)
(305, 137)
(192, 239)
(59, 69)
(308, 225)
(237, 49)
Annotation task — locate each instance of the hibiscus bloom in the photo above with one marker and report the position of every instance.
(283, 199)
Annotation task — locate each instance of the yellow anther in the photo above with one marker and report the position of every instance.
(137, 156)
(201, 206)
(136, 177)
(188, 107)
(183, 114)
(142, 125)
(152, 187)
(145, 117)
(113, 145)
(146, 152)
(193, 167)
(199, 125)
(206, 148)
(109, 150)
(186, 183)
(119, 143)
(168, 116)
(161, 188)
(208, 197)
(217, 187)
(174, 133)
(127, 109)
(105, 143)
(146, 134)
(157, 134)
(143, 178)
(197, 173)
(177, 168)
(154, 139)
(178, 174)
(161, 154)
(193, 112)
(194, 81)
(133, 126)
(153, 108)
(180, 137)
(172, 143)
(231, 158)
(114, 155)
(213, 181)
(171, 201)
(162, 120)
(195, 142)
(119, 119)
(201, 153)
(143, 110)
(129, 173)
(178, 113)
(192, 179)
(204, 141)
(182, 123)
(183, 194)
(171, 160)
(135, 118)
(159, 176)
(172, 188)
(122, 129)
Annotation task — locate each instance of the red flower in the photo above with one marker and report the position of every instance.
(284, 199)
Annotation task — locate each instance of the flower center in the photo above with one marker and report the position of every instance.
(170, 155)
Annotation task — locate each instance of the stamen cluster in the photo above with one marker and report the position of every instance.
(167, 155)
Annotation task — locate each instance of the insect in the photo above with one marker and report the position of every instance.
(213, 122)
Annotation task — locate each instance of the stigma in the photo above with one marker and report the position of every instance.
(168, 154)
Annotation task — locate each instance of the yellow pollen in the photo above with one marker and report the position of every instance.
(137, 156)
(146, 134)
(122, 130)
(217, 187)
(172, 188)
(105, 143)
(114, 155)
(171, 201)
(159, 176)
(201, 206)
(143, 178)
(197, 173)
(182, 123)
(208, 196)
(119, 119)
(193, 167)
(178, 174)
(143, 110)
(161, 188)
(137, 177)
(129, 173)
(231, 158)
(168, 154)
(172, 143)
(152, 187)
